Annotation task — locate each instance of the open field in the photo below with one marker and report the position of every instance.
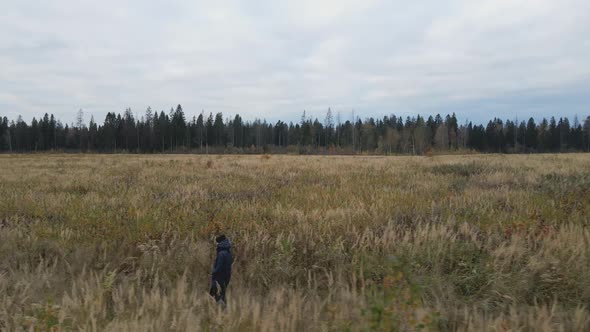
(124, 242)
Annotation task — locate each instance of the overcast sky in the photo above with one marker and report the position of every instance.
(273, 59)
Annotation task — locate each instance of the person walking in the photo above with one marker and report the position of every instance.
(221, 270)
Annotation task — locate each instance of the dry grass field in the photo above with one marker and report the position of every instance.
(125, 242)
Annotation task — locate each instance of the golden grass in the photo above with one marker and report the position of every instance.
(124, 242)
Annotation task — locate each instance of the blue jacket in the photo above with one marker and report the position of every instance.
(222, 268)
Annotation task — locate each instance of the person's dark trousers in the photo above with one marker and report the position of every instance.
(221, 294)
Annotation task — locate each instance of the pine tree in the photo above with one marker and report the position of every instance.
(219, 130)
(531, 134)
(586, 135)
(329, 124)
(209, 132)
(200, 131)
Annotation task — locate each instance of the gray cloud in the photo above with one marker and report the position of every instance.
(480, 59)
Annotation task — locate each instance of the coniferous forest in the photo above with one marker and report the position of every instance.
(154, 132)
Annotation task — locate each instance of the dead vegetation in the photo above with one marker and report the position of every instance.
(123, 243)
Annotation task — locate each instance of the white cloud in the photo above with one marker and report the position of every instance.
(274, 59)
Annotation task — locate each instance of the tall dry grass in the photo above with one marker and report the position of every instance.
(124, 242)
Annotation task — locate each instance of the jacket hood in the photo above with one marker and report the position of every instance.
(223, 245)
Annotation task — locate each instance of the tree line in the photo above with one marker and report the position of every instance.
(173, 132)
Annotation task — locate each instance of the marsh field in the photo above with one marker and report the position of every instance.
(321, 243)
